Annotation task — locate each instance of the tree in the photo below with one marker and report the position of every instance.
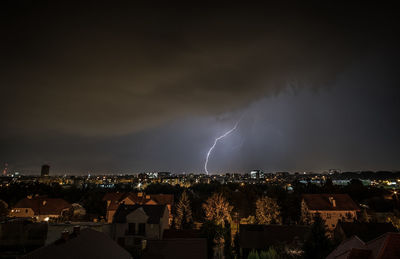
(183, 218)
(213, 233)
(267, 211)
(217, 209)
(395, 221)
(3, 209)
(253, 255)
(236, 243)
(364, 217)
(228, 241)
(271, 253)
(317, 244)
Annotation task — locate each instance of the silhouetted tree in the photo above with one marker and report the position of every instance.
(236, 243)
(253, 255)
(364, 216)
(271, 253)
(183, 218)
(228, 241)
(317, 245)
(3, 209)
(212, 232)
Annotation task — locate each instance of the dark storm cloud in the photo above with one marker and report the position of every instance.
(113, 70)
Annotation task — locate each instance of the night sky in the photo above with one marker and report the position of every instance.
(126, 88)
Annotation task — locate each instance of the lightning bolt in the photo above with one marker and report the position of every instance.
(215, 143)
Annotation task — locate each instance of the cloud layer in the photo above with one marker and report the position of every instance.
(107, 71)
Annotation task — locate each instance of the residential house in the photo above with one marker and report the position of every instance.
(261, 237)
(85, 243)
(115, 199)
(54, 229)
(41, 208)
(134, 223)
(387, 246)
(331, 208)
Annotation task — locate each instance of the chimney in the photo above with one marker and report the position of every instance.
(65, 235)
(77, 230)
(332, 201)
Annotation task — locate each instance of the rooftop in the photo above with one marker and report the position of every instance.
(325, 202)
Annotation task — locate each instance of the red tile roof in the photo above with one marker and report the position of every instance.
(44, 205)
(163, 199)
(116, 199)
(322, 202)
(112, 196)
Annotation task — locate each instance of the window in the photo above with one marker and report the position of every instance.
(142, 229)
(131, 228)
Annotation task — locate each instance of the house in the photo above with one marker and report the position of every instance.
(387, 246)
(41, 208)
(115, 199)
(55, 228)
(18, 236)
(331, 208)
(180, 248)
(134, 223)
(261, 237)
(366, 231)
(85, 243)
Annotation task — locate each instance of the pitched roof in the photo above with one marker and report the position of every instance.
(112, 196)
(262, 236)
(116, 198)
(346, 246)
(44, 205)
(366, 231)
(88, 244)
(386, 246)
(154, 212)
(322, 202)
(193, 248)
(163, 199)
(357, 253)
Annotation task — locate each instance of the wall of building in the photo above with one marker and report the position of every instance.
(22, 213)
(152, 231)
(332, 217)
